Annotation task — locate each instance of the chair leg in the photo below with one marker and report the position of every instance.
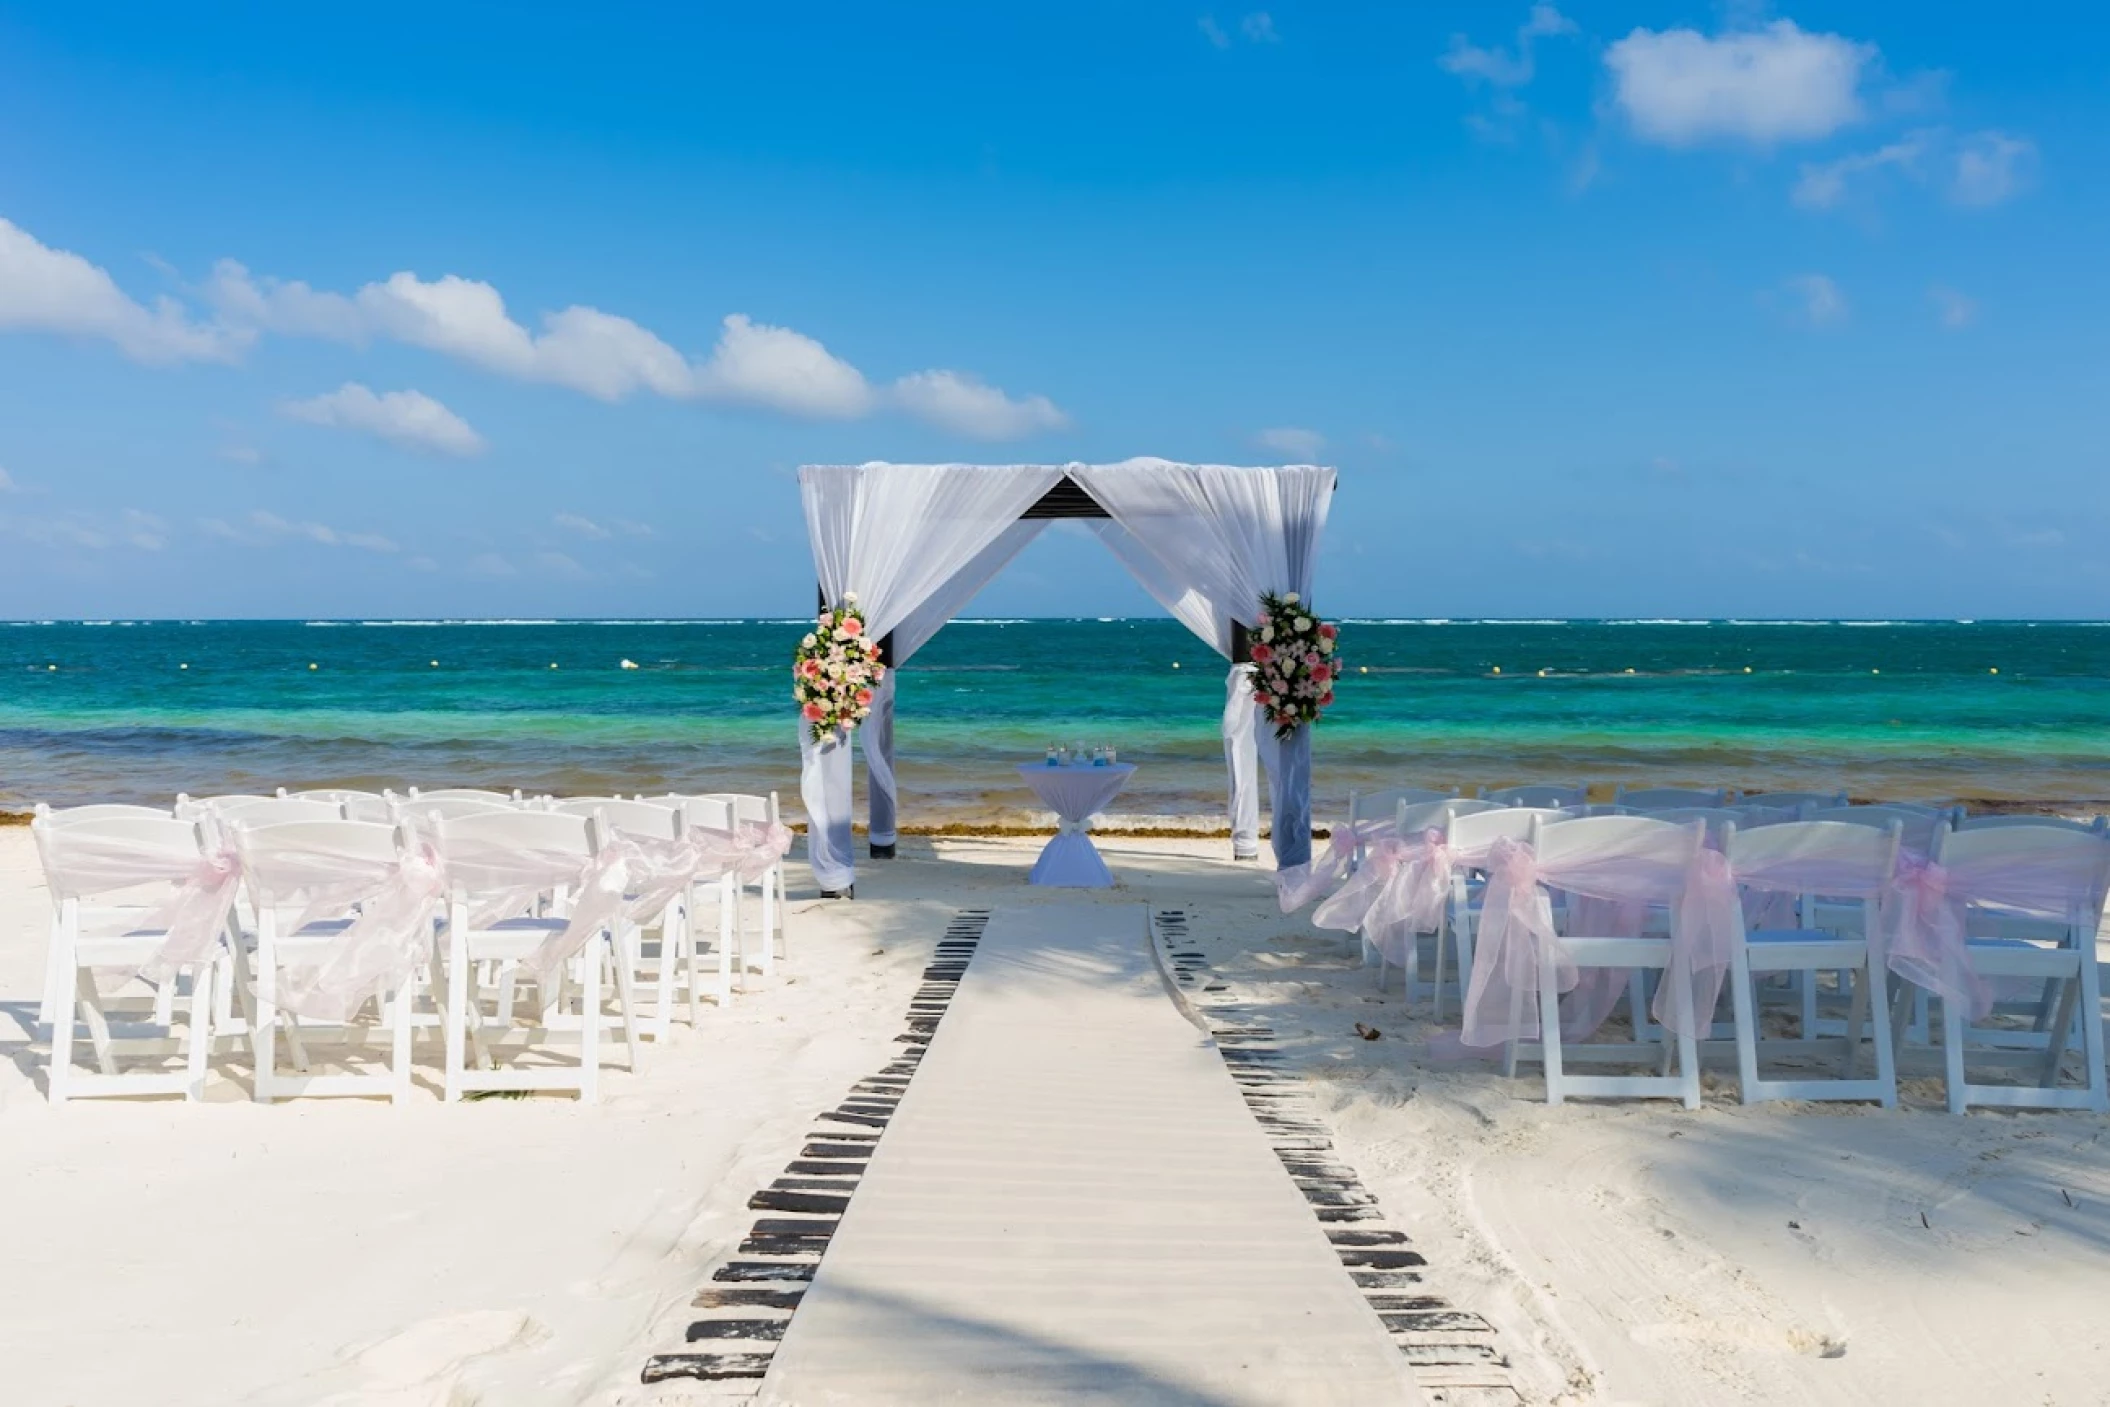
(2060, 1029)
(455, 1022)
(56, 959)
(771, 914)
(59, 1078)
(1952, 1024)
(626, 998)
(1550, 1029)
(2090, 984)
(400, 1012)
(1743, 1001)
(200, 1042)
(98, 1023)
(1856, 1013)
(1443, 935)
(590, 1030)
(1879, 1030)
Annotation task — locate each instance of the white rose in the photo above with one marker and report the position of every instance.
(1267, 633)
(1325, 646)
(1290, 599)
(849, 598)
(807, 643)
(1303, 624)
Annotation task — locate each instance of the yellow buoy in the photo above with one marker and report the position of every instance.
(1175, 664)
(52, 667)
(1747, 669)
(552, 664)
(183, 666)
(1875, 671)
(1992, 671)
(1362, 669)
(1498, 669)
(312, 664)
(1630, 671)
(1542, 674)
(435, 664)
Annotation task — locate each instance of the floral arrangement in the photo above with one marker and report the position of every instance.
(835, 671)
(1296, 660)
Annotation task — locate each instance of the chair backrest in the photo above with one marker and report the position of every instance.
(647, 820)
(1664, 847)
(1789, 800)
(1822, 857)
(1667, 798)
(1719, 820)
(428, 806)
(1540, 795)
(187, 805)
(1383, 804)
(753, 809)
(2064, 823)
(1476, 830)
(545, 848)
(503, 798)
(2069, 868)
(1414, 817)
(70, 874)
(1917, 824)
(272, 811)
(1750, 817)
(101, 811)
(703, 812)
(330, 794)
(1468, 806)
(281, 860)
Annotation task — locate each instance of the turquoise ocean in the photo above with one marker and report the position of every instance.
(142, 710)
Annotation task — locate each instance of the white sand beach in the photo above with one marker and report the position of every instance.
(538, 1251)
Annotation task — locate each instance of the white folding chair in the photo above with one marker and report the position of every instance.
(1844, 864)
(1667, 798)
(2067, 823)
(270, 810)
(1539, 795)
(1411, 820)
(511, 880)
(671, 965)
(502, 798)
(101, 811)
(2033, 897)
(427, 807)
(1794, 800)
(107, 877)
(1648, 845)
(1471, 835)
(1382, 805)
(289, 869)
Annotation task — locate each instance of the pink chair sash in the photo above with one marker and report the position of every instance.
(1298, 885)
(1924, 917)
(191, 919)
(379, 952)
(1516, 929)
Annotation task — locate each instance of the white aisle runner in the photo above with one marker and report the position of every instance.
(1072, 1204)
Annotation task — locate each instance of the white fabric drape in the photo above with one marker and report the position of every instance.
(1207, 540)
(897, 535)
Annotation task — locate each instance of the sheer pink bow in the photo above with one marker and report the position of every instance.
(381, 949)
(1298, 885)
(1399, 891)
(1925, 938)
(191, 919)
(1517, 937)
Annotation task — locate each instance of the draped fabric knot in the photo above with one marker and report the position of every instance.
(759, 847)
(1298, 885)
(195, 916)
(1924, 937)
(382, 948)
(1414, 885)
(1610, 895)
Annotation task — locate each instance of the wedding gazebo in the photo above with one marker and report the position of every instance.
(916, 542)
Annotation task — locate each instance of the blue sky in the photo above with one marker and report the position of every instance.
(1604, 308)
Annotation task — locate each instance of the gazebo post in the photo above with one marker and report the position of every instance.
(878, 730)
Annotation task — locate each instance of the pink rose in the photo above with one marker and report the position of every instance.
(1262, 699)
(1321, 674)
(1326, 699)
(814, 713)
(864, 698)
(1263, 653)
(1329, 632)
(853, 627)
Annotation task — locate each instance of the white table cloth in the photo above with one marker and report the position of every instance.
(1075, 794)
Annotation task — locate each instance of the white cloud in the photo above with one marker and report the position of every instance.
(1290, 440)
(611, 357)
(1777, 83)
(1819, 301)
(560, 564)
(957, 402)
(52, 290)
(263, 528)
(490, 564)
(1956, 310)
(408, 418)
(1499, 66)
(756, 364)
(7, 483)
(1259, 27)
(242, 454)
(143, 530)
(1214, 32)
(1991, 167)
(1825, 184)
(583, 526)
